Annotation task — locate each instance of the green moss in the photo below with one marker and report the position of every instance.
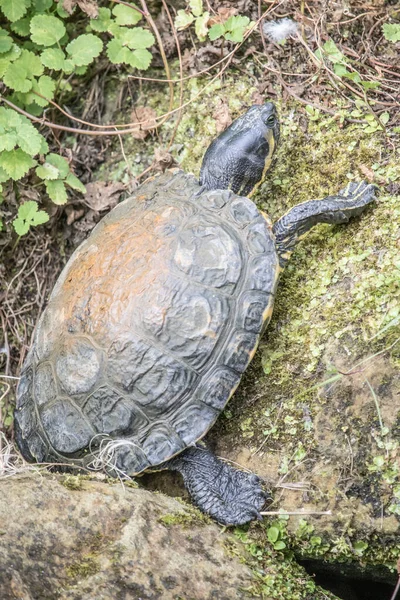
(190, 518)
(86, 567)
(73, 482)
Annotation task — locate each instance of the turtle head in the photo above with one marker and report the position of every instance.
(240, 156)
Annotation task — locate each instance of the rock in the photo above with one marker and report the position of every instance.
(107, 542)
(67, 537)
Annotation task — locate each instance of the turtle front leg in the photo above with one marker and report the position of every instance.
(230, 496)
(348, 203)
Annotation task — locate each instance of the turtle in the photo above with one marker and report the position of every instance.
(157, 315)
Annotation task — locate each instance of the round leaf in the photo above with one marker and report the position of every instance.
(60, 163)
(183, 20)
(5, 41)
(8, 141)
(56, 191)
(53, 58)
(84, 49)
(47, 171)
(273, 534)
(29, 139)
(137, 38)
(21, 27)
(126, 15)
(139, 59)
(14, 9)
(31, 62)
(16, 163)
(15, 78)
(75, 183)
(279, 545)
(103, 20)
(116, 52)
(46, 30)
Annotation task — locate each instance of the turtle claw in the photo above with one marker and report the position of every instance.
(230, 496)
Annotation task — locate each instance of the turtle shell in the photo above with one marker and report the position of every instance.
(150, 326)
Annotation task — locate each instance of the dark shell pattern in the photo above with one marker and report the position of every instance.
(150, 325)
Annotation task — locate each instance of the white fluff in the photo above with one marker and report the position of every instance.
(279, 31)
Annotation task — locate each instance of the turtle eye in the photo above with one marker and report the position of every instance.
(271, 121)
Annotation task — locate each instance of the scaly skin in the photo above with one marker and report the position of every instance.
(293, 226)
(230, 496)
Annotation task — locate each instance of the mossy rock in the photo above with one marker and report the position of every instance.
(113, 542)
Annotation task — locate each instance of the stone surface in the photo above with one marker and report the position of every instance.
(109, 542)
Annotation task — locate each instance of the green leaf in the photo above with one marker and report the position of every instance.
(16, 163)
(216, 31)
(333, 52)
(44, 147)
(139, 59)
(10, 118)
(28, 216)
(5, 41)
(47, 171)
(137, 38)
(370, 85)
(4, 64)
(75, 183)
(125, 15)
(183, 19)
(117, 53)
(391, 31)
(45, 86)
(384, 118)
(61, 12)
(29, 139)
(21, 27)
(31, 62)
(69, 67)
(42, 5)
(8, 141)
(3, 175)
(200, 27)
(279, 545)
(60, 163)
(13, 53)
(196, 7)
(273, 534)
(115, 29)
(14, 9)
(103, 21)
(84, 49)
(53, 58)
(46, 30)
(15, 78)
(236, 27)
(56, 191)
(360, 547)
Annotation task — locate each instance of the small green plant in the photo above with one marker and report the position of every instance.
(341, 66)
(277, 533)
(391, 31)
(232, 29)
(29, 215)
(40, 48)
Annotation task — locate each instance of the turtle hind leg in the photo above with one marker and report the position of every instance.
(348, 203)
(230, 496)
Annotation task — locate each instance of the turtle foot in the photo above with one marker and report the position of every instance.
(229, 496)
